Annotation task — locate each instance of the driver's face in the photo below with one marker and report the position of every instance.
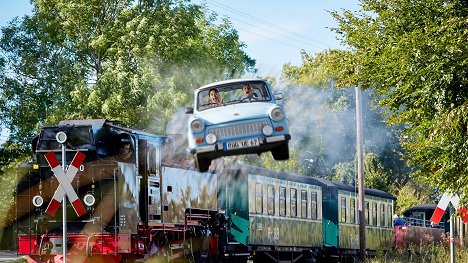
(247, 90)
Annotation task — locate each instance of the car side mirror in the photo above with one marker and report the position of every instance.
(278, 96)
(189, 110)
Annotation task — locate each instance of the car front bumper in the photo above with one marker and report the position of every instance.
(217, 149)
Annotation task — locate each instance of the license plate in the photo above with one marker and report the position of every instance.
(241, 144)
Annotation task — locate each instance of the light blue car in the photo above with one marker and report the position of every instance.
(239, 116)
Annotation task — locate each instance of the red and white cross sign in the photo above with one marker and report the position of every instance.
(442, 206)
(65, 186)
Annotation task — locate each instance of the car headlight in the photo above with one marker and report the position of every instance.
(277, 114)
(37, 201)
(197, 126)
(89, 199)
(211, 138)
(267, 130)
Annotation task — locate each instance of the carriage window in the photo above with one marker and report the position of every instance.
(343, 209)
(271, 200)
(314, 205)
(304, 204)
(382, 215)
(258, 198)
(374, 214)
(293, 202)
(367, 212)
(352, 211)
(282, 201)
(389, 215)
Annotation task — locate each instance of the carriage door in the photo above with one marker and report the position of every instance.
(154, 182)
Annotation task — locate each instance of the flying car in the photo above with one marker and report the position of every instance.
(235, 117)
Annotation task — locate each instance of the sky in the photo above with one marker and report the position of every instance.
(276, 31)
(273, 31)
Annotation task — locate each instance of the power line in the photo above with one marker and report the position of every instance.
(272, 39)
(291, 45)
(267, 23)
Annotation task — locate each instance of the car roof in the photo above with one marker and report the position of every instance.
(229, 81)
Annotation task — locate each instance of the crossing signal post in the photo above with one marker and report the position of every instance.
(62, 138)
(440, 210)
(65, 177)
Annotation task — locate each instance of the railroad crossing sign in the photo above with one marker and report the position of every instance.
(65, 186)
(442, 205)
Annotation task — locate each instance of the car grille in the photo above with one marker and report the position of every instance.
(237, 130)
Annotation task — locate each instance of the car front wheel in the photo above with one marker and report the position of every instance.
(202, 163)
(281, 152)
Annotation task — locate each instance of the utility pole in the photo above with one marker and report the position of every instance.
(360, 173)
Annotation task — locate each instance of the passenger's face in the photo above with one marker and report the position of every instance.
(213, 95)
(247, 90)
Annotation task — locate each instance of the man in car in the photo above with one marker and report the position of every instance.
(249, 94)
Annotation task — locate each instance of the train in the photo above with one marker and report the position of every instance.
(152, 203)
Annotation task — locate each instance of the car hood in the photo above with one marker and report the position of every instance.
(235, 112)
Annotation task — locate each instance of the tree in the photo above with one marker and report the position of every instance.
(136, 61)
(414, 54)
(412, 194)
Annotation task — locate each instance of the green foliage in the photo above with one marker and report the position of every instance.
(344, 172)
(118, 59)
(413, 194)
(8, 180)
(266, 160)
(414, 54)
(425, 253)
(9, 152)
(375, 175)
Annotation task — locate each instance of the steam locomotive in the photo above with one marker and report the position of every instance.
(152, 203)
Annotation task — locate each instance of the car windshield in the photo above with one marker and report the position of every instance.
(239, 92)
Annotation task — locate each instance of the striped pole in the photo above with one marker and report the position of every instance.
(440, 209)
(443, 204)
